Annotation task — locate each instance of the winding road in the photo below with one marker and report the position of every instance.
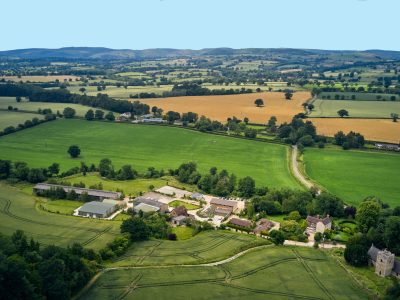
(295, 168)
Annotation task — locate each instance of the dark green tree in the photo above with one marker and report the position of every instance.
(74, 151)
(69, 112)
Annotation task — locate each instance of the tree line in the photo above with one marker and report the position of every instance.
(38, 94)
(29, 271)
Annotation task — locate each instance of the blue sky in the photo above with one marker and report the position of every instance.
(196, 24)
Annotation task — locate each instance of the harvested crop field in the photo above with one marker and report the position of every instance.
(372, 129)
(49, 78)
(222, 107)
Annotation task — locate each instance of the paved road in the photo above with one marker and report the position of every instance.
(297, 173)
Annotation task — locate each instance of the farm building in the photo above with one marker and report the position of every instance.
(146, 208)
(384, 261)
(124, 116)
(95, 194)
(153, 120)
(241, 223)
(172, 191)
(263, 225)
(391, 147)
(179, 211)
(223, 206)
(96, 209)
(197, 196)
(179, 220)
(152, 202)
(316, 224)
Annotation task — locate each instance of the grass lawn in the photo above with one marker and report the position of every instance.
(34, 106)
(204, 247)
(259, 274)
(183, 232)
(65, 207)
(10, 118)
(144, 146)
(354, 175)
(188, 206)
(18, 211)
(358, 109)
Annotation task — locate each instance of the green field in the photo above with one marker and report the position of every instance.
(188, 206)
(354, 175)
(146, 145)
(359, 96)
(357, 109)
(183, 232)
(65, 207)
(267, 273)
(121, 92)
(18, 210)
(10, 118)
(34, 106)
(206, 246)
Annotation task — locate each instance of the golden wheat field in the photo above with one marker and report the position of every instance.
(372, 129)
(241, 106)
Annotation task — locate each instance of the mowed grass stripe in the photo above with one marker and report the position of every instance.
(355, 175)
(144, 146)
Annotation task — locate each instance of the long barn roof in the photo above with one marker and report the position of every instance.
(78, 190)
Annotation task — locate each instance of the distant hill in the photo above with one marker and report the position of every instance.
(107, 53)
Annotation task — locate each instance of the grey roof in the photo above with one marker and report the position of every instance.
(396, 267)
(146, 207)
(96, 207)
(240, 222)
(315, 220)
(373, 252)
(219, 201)
(149, 201)
(197, 195)
(78, 190)
(225, 211)
(179, 218)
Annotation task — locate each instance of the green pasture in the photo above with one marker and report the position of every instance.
(357, 109)
(65, 207)
(204, 247)
(145, 146)
(188, 206)
(355, 175)
(183, 232)
(34, 106)
(11, 118)
(267, 273)
(18, 210)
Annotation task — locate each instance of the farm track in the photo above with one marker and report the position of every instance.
(6, 211)
(225, 281)
(312, 275)
(193, 253)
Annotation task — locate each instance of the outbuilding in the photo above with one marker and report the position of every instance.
(96, 209)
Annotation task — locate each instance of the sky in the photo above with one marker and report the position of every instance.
(197, 24)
